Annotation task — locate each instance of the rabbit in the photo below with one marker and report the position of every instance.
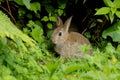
(67, 43)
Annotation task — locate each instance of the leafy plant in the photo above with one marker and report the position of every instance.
(35, 30)
(111, 9)
(8, 29)
(18, 52)
(113, 32)
(35, 6)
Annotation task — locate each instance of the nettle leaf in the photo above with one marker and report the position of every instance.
(109, 48)
(53, 68)
(111, 16)
(30, 24)
(37, 34)
(117, 14)
(99, 20)
(35, 7)
(102, 11)
(72, 68)
(52, 18)
(113, 10)
(27, 3)
(60, 12)
(113, 32)
(20, 2)
(49, 25)
(108, 3)
(49, 8)
(21, 12)
(45, 18)
(62, 6)
(116, 3)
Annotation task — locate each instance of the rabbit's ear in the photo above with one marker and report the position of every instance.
(67, 23)
(59, 21)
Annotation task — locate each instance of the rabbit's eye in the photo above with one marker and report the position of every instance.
(60, 33)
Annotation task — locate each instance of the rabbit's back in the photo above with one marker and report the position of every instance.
(75, 37)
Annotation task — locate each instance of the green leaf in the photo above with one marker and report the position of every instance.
(117, 14)
(108, 3)
(102, 11)
(35, 7)
(111, 16)
(52, 68)
(21, 12)
(62, 6)
(113, 32)
(9, 77)
(30, 16)
(72, 68)
(27, 3)
(49, 33)
(37, 34)
(99, 20)
(118, 48)
(84, 48)
(60, 12)
(30, 24)
(49, 8)
(109, 48)
(45, 18)
(52, 18)
(20, 2)
(116, 3)
(113, 10)
(49, 25)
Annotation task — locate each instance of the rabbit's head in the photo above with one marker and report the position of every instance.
(60, 34)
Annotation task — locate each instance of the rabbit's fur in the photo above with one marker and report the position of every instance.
(67, 43)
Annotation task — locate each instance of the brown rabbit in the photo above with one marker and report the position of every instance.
(67, 43)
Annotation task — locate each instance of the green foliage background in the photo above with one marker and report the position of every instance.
(26, 52)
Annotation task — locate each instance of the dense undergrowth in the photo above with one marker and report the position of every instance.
(26, 52)
(21, 58)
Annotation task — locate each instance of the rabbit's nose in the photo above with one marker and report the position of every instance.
(53, 40)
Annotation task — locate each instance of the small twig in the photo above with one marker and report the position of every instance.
(84, 31)
(91, 26)
(9, 10)
(84, 20)
(13, 19)
(8, 6)
(86, 17)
